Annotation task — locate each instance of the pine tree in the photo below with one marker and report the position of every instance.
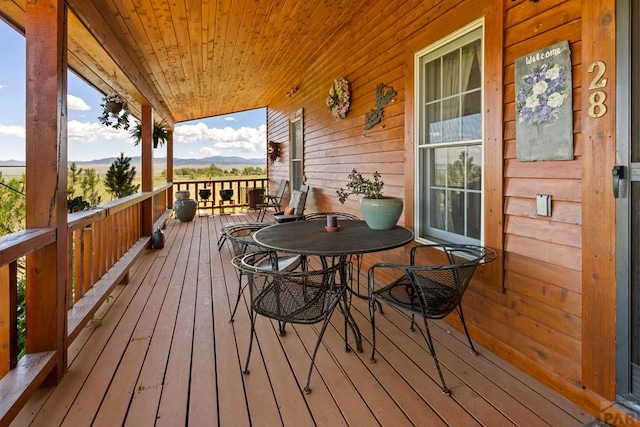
(119, 178)
(12, 205)
(73, 174)
(89, 185)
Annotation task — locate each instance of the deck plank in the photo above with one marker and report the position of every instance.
(167, 354)
(203, 392)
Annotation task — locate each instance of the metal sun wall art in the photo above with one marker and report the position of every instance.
(383, 97)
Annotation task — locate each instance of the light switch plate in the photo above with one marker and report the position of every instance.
(543, 204)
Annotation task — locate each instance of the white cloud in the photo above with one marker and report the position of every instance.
(88, 132)
(230, 119)
(76, 103)
(244, 139)
(2, 86)
(15, 131)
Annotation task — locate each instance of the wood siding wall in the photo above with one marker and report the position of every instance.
(532, 313)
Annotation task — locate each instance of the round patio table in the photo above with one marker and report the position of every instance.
(353, 238)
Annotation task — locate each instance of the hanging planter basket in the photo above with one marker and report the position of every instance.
(160, 134)
(115, 112)
(114, 107)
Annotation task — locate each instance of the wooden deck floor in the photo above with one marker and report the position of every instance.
(163, 352)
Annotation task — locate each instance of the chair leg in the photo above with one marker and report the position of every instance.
(240, 292)
(432, 350)
(221, 241)
(253, 329)
(466, 331)
(307, 389)
(372, 317)
(261, 214)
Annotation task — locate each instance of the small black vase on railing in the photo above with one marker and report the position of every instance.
(226, 195)
(204, 193)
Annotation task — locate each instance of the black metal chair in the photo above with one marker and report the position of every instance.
(241, 238)
(272, 201)
(430, 291)
(300, 297)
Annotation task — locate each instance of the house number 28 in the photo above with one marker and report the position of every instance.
(597, 107)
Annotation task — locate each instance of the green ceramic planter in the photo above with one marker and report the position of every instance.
(381, 214)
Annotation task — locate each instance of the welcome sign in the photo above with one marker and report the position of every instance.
(544, 116)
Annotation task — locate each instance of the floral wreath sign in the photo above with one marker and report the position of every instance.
(544, 116)
(338, 99)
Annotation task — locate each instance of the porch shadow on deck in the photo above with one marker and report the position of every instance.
(163, 352)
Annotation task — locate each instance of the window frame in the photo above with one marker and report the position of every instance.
(296, 157)
(423, 152)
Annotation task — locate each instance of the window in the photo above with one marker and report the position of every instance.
(296, 144)
(449, 140)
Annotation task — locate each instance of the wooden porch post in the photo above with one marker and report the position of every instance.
(46, 176)
(147, 168)
(170, 168)
(598, 204)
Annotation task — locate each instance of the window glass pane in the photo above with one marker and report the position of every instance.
(456, 211)
(451, 129)
(456, 167)
(471, 73)
(296, 137)
(296, 175)
(473, 215)
(432, 80)
(474, 167)
(471, 116)
(434, 124)
(451, 74)
(437, 214)
(439, 167)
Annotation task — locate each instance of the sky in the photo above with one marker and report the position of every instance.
(241, 134)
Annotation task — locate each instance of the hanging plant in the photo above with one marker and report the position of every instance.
(160, 134)
(338, 99)
(115, 112)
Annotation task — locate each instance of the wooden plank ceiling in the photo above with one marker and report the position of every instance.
(191, 59)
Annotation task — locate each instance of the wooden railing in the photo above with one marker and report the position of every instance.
(103, 244)
(244, 192)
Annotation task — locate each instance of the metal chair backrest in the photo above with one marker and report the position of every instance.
(241, 237)
(294, 297)
(441, 287)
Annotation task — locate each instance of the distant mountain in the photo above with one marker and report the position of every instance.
(12, 163)
(206, 161)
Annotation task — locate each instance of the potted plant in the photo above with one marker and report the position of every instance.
(379, 212)
(160, 133)
(115, 112)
